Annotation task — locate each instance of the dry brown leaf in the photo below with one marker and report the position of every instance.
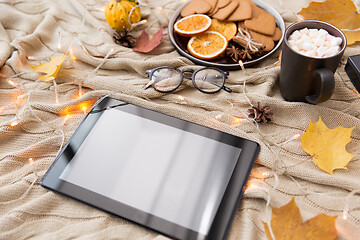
(327, 146)
(286, 223)
(341, 13)
(51, 69)
(144, 44)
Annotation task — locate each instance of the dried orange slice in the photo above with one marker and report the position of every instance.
(228, 29)
(207, 45)
(192, 25)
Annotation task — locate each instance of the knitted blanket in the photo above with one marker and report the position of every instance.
(37, 118)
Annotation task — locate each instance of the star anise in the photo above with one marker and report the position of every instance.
(234, 53)
(260, 52)
(124, 39)
(261, 114)
(245, 54)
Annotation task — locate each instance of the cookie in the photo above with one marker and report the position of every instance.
(241, 25)
(212, 3)
(196, 6)
(223, 3)
(261, 38)
(224, 13)
(261, 21)
(277, 35)
(242, 12)
(215, 10)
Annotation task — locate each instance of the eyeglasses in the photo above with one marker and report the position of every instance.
(167, 79)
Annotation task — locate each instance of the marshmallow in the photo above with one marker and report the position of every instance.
(311, 53)
(296, 49)
(313, 33)
(303, 31)
(329, 37)
(332, 51)
(307, 45)
(314, 43)
(295, 35)
(320, 52)
(299, 43)
(304, 37)
(336, 41)
(319, 42)
(323, 32)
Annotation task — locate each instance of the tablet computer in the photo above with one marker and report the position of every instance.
(170, 175)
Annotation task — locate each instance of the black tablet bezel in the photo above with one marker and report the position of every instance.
(231, 199)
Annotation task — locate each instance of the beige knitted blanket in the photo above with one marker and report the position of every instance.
(32, 31)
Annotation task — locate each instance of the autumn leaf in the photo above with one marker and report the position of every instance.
(50, 69)
(327, 146)
(341, 13)
(144, 44)
(286, 224)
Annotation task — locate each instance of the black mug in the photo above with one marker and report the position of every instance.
(308, 79)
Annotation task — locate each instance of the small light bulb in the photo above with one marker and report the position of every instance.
(252, 186)
(84, 108)
(67, 117)
(345, 215)
(236, 120)
(14, 123)
(59, 46)
(218, 116)
(31, 161)
(181, 98)
(11, 82)
(296, 136)
(74, 58)
(31, 57)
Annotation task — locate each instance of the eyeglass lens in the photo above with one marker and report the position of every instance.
(209, 80)
(165, 79)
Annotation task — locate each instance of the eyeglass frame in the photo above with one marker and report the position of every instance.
(193, 72)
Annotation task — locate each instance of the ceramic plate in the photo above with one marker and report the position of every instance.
(180, 42)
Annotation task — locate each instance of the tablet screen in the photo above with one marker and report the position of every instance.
(165, 171)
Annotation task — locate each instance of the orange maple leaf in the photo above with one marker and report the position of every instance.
(286, 223)
(341, 13)
(327, 146)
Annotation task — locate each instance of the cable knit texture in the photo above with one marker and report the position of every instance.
(40, 29)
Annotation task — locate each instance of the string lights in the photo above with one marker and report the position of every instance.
(229, 116)
(83, 107)
(345, 214)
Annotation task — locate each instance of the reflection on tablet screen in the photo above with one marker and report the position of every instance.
(167, 172)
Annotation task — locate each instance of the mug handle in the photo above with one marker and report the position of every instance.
(326, 86)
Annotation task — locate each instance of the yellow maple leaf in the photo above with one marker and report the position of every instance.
(51, 69)
(286, 223)
(341, 13)
(327, 146)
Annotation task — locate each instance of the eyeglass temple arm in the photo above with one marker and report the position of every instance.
(227, 89)
(146, 86)
(226, 73)
(223, 87)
